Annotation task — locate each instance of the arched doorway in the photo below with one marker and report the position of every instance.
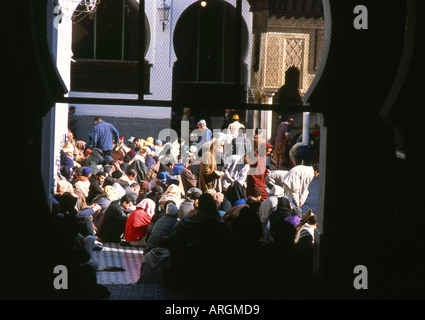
(106, 49)
(209, 48)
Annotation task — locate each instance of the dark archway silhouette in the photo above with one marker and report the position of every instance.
(206, 45)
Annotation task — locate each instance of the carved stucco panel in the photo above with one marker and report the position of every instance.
(283, 50)
(273, 61)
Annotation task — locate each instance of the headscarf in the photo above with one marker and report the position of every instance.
(150, 141)
(206, 211)
(66, 166)
(64, 186)
(145, 186)
(207, 174)
(119, 189)
(111, 193)
(194, 193)
(283, 209)
(68, 147)
(209, 157)
(172, 193)
(156, 193)
(142, 143)
(235, 192)
(140, 167)
(277, 191)
(171, 210)
(67, 162)
(148, 205)
(84, 186)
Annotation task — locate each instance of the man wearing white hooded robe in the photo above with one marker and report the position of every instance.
(297, 181)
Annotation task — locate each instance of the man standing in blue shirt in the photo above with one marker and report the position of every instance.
(206, 133)
(104, 134)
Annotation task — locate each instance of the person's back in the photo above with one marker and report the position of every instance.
(278, 258)
(205, 136)
(178, 168)
(199, 244)
(284, 210)
(103, 135)
(137, 225)
(95, 188)
(140, 168)
(235, 169)
(73, 254)
(126, 163)
(153, 265)
(103, 202)
(185, 207)
(138, 221)
(276, 178)
(189, 204)
(107, 231)
(282, 130)
(233, 128)
(297, 181)
(162, 228)
(114, 220)
(204, 132)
